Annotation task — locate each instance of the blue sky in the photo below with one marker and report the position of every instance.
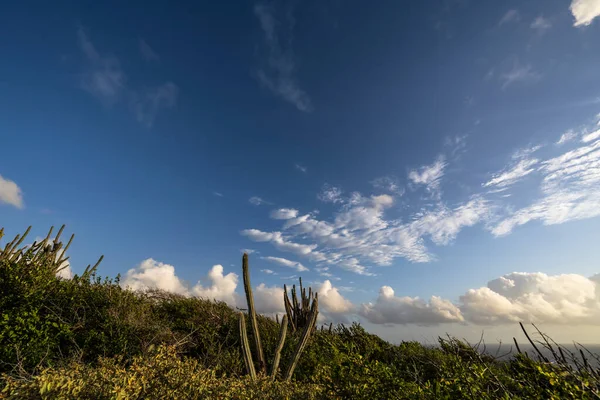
(386, 153)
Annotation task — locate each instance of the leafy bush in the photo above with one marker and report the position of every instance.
(89, 338)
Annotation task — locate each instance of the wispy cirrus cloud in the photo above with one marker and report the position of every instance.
(566, 137)
(105, 80)
(510, 16)
(519, 73)
(146, 104)
(301, 168)
(257, 201)
(512, 175)
(429, 176)
(570, 189)
(286, 263)
(10, 193)
(147, 52)
(278, 74)
(541, 25)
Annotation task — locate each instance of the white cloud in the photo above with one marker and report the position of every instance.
(10, 193)
(429, 175)
(248, 251)
(591, 136)
(534, 297)
(218, 194)
(280, 242)
(332, 301)
(330, 194)
(147, 52)
(567, 137)
(284, 213)
(268, 300)
(257, 201)
(585, 11)
(570, 190)
(268, 272)
(390, 309)
(388, 184)
(510, 16)
(286, 263)
(152, 274)
(146, 105)
(519, 73)
(443, 224)
(301, 168)
(104, 78)
(257, 235)
(541, 25)
(222, 287)
(514, 174)
(278, 75)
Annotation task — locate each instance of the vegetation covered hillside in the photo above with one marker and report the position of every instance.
(88, 338)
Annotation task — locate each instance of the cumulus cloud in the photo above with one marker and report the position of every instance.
(278, 74)
(10, 193)
(391, 309)
(221, 288)
(429, 175)
(268, 300)
(533, 297)
(284, 213)
(286, 263)
(566, 299)
(585, 11)
(152, 274)
(514, 174)
(332, 301)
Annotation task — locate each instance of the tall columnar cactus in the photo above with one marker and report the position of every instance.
(246, 348)
(298, 310)
(308, 328)
(280, 343)
(252, 314)
(306, 333)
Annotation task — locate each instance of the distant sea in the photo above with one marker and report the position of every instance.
(506, 351)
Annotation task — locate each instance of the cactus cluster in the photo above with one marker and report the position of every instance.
(50, 251)
(308, 324)
(298, 310)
